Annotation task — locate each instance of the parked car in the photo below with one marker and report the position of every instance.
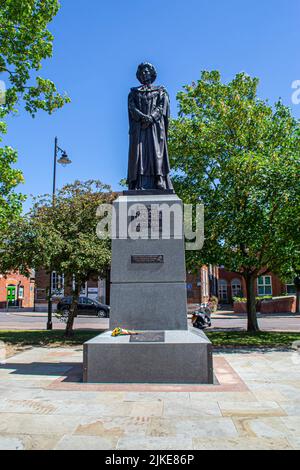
(86, 306)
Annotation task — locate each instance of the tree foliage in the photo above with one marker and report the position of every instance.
(10, 201)
(240, 156)
(24, 43)
(62, 237)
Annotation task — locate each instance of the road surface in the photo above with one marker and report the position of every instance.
(221, 320)
(38, 321)
(270, 322)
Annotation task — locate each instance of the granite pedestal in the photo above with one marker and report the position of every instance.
(148, 295)
(184, 357)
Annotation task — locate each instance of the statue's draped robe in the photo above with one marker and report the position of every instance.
(148, 150)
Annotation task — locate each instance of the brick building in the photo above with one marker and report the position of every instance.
(233, 285)
(95, 288)
(16, 291)
(202, 284)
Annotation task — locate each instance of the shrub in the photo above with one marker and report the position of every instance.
(258, 299)
(214, 302)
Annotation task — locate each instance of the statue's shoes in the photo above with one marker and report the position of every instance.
(160, 185)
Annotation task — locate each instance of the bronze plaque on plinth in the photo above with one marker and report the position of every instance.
(148, 337)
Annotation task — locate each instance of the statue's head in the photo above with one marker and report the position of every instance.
(146, 73)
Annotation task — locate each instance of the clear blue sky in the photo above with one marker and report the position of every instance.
(97, 48)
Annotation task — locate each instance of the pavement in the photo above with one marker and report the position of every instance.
(254, 405)
(220, 320)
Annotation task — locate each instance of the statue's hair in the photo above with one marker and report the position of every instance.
(152, 71)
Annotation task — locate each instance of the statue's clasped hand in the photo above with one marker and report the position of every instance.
(147, 121)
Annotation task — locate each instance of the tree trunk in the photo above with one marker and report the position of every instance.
(73, 310)
(251, 303)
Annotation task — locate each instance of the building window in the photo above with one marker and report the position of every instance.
(57, 284)
(189, 288)
(40, 294)
(290, 287)
(21, 292)
(83, 290)
(198, 279)
(236, 288)
(223, 296)
(264, 285)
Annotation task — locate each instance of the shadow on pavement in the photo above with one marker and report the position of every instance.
(41, 368)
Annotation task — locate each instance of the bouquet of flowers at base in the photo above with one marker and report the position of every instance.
(122, 332)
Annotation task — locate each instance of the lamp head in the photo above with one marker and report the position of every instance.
(64, 159)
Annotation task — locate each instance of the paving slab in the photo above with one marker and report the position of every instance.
(255, 404)
(242, 444)
(71, 442)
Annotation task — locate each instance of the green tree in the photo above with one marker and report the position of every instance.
(24, 43)
(239, 156)
(62, 237)
(10, 201)
(289, 270)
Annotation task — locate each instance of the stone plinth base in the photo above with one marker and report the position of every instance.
(176, 357)
(160, 306)
(148, 274)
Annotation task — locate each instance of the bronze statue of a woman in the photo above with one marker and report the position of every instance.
(149, 112)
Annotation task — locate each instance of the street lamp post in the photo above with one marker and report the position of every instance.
(64, 160)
